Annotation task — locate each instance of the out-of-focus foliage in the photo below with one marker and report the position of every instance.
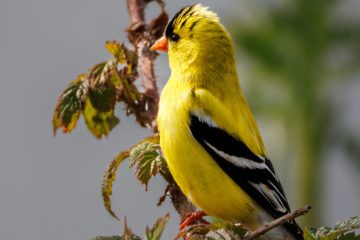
(306, 53)
(341, 230)
(157, 229)
(214, 231)
(227, 231)
(153, 233)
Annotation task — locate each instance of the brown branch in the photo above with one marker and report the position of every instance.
(279, 221)
(140, 36)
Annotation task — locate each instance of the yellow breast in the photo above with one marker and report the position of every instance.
(197, 174)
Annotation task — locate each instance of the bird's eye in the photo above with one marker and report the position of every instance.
(174, 37)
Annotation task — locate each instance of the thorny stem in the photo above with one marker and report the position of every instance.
(281, 220)
(140, 36)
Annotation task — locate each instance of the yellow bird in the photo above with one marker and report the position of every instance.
(208, 134)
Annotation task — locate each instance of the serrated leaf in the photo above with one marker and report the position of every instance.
(70, 104)
(157, 229)
(327, 233)
(99, 123)
(147, 161)
(108, 180)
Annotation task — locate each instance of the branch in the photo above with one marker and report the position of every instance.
(279, 221)
(140, 36)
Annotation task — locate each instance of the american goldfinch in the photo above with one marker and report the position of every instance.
(208, 134)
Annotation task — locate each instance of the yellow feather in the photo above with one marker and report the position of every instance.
(204, 80)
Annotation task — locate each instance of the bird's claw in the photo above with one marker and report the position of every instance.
(191, 218)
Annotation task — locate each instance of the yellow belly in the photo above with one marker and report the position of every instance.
(197, 174)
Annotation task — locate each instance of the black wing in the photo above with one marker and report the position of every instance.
(254, 174)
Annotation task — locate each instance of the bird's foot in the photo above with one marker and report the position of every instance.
(191, 218)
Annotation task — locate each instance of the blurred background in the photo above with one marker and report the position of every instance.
(299, 64)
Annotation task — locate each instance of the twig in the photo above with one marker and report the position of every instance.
(279, 221)
(139, 35)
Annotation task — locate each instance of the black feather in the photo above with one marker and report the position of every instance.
(243, 176)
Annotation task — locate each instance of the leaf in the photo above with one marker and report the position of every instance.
(108, 180)
(117, 50)
(103, 98)
(95, 72)
(216, 231)
(128, 234)
(123, 55)
(99, 123)
(147, 161)
(110, 173)
(349, 236)
(70, 104)
(156, 231)
(107, 238)
(101, 73)
(327, 233)
(132, 62)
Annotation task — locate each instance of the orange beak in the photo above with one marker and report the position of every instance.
(160, 45)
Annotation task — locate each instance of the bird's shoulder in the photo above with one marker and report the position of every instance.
(229, 112)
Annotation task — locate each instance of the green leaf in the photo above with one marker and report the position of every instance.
(349, 236)
(110, 173)
(103, 98)
(216, 231)
(70, 104)
(147, 161)
(327, 233)
(157, 229)
(99, 123)
(107, 238)
(101, 73)
(108, 180)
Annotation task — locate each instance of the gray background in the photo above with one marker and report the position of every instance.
(50, 187)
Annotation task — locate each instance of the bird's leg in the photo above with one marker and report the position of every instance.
(191, 218)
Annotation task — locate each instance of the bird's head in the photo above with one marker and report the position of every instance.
(195, 39)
